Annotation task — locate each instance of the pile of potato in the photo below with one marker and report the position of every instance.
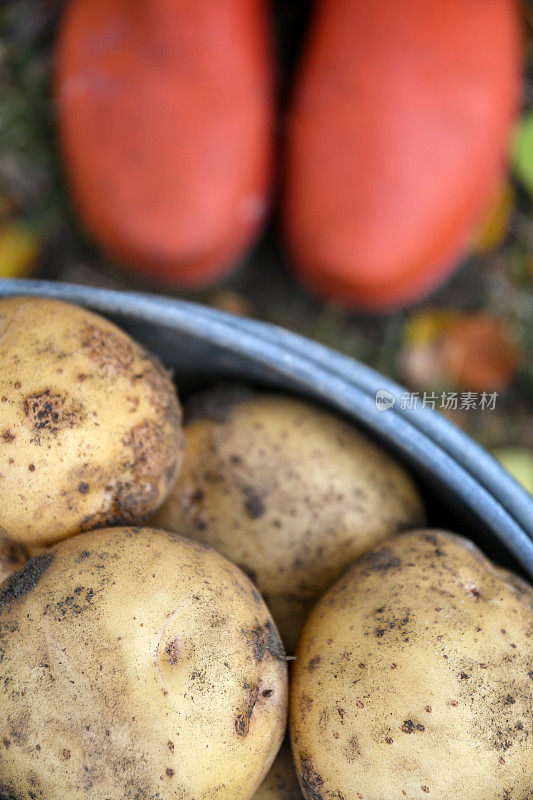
(145, 663)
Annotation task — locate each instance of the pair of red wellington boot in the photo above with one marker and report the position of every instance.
(395, 139)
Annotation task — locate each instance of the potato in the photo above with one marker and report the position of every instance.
(137, 665)
(414, 679)
(12, 558)
(90, 425)
(286, 490)
(281, 782)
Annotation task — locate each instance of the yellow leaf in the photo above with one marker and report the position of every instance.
(19, 250)
(495, 222)
(426, 326)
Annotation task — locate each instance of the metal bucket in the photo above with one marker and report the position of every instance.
(464, 487)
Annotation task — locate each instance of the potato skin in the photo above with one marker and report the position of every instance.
(90, 424)
(413, 678)
(137, 664)
(286, 490)
(281, 783)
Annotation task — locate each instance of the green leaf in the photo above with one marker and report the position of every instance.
(523, 152)
(519, 462)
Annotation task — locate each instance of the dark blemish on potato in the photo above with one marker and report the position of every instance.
(66, 754)
(425, 789)
(172, 469)
(265, 641)
(83, 487)
(7, 794)
(199, 676)
(216, 404)
(173, 651)
(410, 727)
(31, 467)
(108, 350)
(74, 603)
(254, 505)
(311, 782)
(305, 703)
(472, 590)
(389, 740)
(169, 772)
(163, 396)
(132, 503)
(147, 445)
(47, 412)
(12, 553)
(242, 720)
(8, 436)
(353, 749)
(197, 497)
(381, 560)
(83, 556)
(509, 700)
(242, 725)
(23, 581)
(314, 663)
(171, 746)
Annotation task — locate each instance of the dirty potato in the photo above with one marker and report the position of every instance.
(414, 679)
(12, 558)
(281, 782)
(286, 490)
(137, 665)
(90, 425)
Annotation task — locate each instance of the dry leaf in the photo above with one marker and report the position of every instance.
(478, 353)
(495, 223)
(232, 302)
(464, 351)
(19, 250)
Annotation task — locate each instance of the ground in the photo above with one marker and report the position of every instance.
(496, 284)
